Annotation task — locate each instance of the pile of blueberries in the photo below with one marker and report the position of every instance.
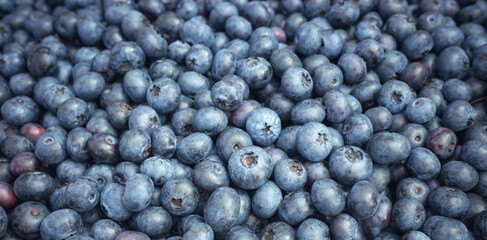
(243, 120)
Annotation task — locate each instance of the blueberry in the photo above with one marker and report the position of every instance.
(105, 229)
(200, 230)
(442, 142)
(423, 164)
(448, 202)
(145, 118)
(344, 226)
(313, 141)
(20, 110)
(82, 194)
(458, 115)
(195, 32)
(292, 215)
(61, 224)
(26, 219)
(103, 148)
(385, 148)
(336, 106)
(210, 120)
(256, 71)
(296, 83)
(163, 141)
(194, 148)
(413, 188)
(222, 209)
(349, 164)
(328, 197)
(408, 214)
(313, 228)
(138, 192)
(249, 167)
(381, 218)
(264, 126)
(399, 25)
(240, 232)
(153, 221)
(112, 204)
(326, 76)
(231, 140)
(439, 227)
(126, 56)
(209, 175)
(163, 95)
(357, 129)
(391, 66)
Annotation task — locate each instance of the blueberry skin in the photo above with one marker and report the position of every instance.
(194, 148)
(163, 142)
(385, 148)
(61, 224)
(331, 43)
(249, 167)
(210, 120)
(290, 175)
(164, 68)
(163, 95)
(195, 32)
(408, 214)
(102, 173)
(192, 82)
(446, 36)
(357, 129)
(222, 209)
(472, 152)
(415, 235)
(199, 231)
(20, 110)
(224, 63)
(145, 118)
(240, 232)
(126, 56)
(391, 66)
(342, 15)
(14, 144)
(363, 200)
(313, 141)
(264, 126)
(371, 51)
(227, 94)
(33, 186)
(313, 229)
(458, 115)
(448, 202)
(394, 95)
(26, 219)
(151, 42)
(367, 29)
(349, 164)
(153, 221)
(452, 62)
(421, 110)
(179, 197)
(231, 140)
(103, 148)
(326, 76)
(417, 45)
(199, 58)
(277, 230)
(209, 175)
(73, 113)
(308, 39)
(381, 218)
(256, 71)
(480, 225)
(336, 106)
(328, 197)
(456, 89)
(82, 194)
(308, 110)
(266, 200)
(423, 164)
(159, 169)
(138, 192)
(290, 214)
(353, 67)
(439, 227)
(135, 83)
(287, 140)
(413, 188)
(112, 204)
(296, 83)
(51, 148)
(40, 62)
(345, 226)
(135, 145)
(282, 59)
(105, 229)
(380, 118)
(459, 174)
(478, 65)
